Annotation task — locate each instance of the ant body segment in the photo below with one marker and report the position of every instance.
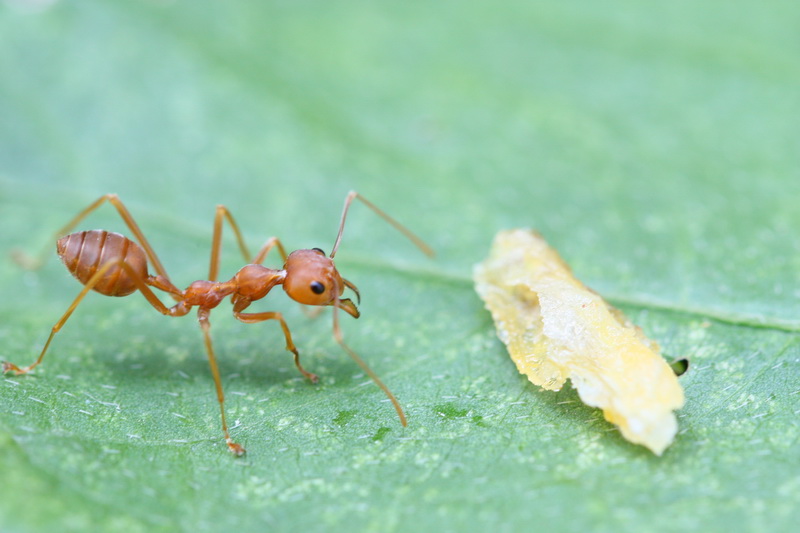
(114, 265)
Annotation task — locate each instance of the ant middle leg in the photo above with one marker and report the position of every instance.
(252, 318)
(205, 326)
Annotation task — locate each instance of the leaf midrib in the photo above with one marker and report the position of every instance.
(646, 302)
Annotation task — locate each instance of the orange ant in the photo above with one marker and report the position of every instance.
(114, 265)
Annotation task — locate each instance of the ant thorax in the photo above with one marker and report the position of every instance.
(254, 282)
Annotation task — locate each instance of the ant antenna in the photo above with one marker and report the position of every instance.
(337, 333)
(399, 227)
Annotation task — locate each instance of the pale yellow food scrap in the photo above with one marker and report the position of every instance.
(556, 328)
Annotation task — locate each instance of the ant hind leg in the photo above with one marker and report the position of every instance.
(93, 281)
(34, 263)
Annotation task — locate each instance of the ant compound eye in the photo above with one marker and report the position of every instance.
(317, 287)
(319, 250)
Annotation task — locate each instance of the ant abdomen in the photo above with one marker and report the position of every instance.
(84, 252)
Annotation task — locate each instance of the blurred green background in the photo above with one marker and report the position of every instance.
(656, 146)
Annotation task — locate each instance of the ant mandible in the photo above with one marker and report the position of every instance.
(114, 265)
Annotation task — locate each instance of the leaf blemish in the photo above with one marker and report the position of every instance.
(380, 434)
(450, 411)
(343, 417)
(478, 421)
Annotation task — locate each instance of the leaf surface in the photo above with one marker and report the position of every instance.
(656, 147)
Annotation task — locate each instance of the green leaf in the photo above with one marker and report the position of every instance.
(655, 146)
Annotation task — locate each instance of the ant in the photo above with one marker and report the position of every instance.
(114, 265)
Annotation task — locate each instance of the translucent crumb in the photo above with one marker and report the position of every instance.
(556, 329)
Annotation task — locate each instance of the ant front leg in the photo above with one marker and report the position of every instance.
(274, 242)
(271, 243)
(314, 313)
(252, 318)
(261, 256)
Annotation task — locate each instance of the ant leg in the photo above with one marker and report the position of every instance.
(98, 276)
(216, 241)
(337, 333)
(399, 227)
(313, 313)
(205, 326)
(271, 243)
(252, 318)
(27, 262)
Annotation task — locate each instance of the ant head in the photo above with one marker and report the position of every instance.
(312, 279)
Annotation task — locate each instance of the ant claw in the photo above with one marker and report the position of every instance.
(310, 376)
(236, 449)
(11, 367)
